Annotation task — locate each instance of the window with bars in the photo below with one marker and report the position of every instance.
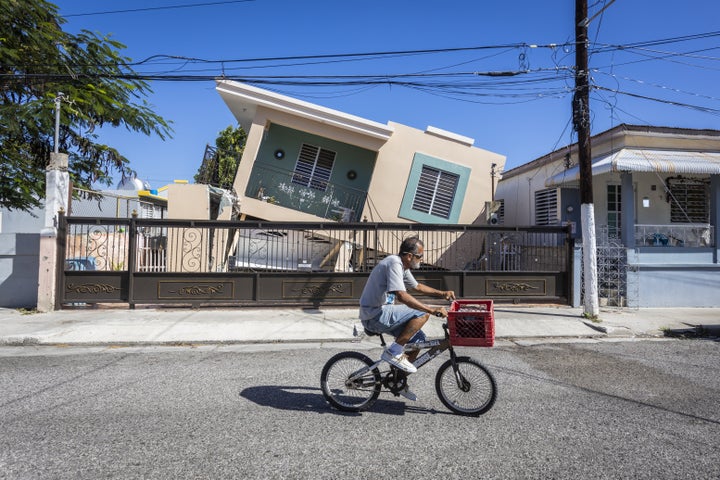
(314, 166)
(614, 210)
(435, 192)
(546, 207)
(689, 200)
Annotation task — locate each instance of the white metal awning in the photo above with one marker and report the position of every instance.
(644, 160)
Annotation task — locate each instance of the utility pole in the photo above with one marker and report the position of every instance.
(581, 123)
(58, 99)
(492, 179)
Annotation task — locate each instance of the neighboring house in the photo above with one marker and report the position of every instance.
(305, 162)
(656, 192)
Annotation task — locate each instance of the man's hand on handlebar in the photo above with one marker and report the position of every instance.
(440, 312)
(448, 295)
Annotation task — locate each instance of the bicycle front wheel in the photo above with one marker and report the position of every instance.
(469, 390)
(344, 384)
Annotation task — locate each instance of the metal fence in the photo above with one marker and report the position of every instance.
(675, 235)
(226, 246)
(145, 261)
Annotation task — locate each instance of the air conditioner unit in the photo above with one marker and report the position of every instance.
(491, 209)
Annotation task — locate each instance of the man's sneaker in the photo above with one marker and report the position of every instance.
(399, 361)
(405, 392)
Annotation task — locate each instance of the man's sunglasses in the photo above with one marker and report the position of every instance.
(415, 255)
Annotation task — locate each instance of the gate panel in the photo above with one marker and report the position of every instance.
(94, 287)
(144, 261)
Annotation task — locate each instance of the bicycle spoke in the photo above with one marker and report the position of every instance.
(343, 388)
(470, 390)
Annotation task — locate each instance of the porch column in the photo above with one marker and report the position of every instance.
(57, 191)
(627, 209)
(715, 214)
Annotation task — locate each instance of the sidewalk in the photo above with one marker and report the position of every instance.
(179, 326)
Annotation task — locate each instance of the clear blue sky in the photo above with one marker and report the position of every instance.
(521, 121)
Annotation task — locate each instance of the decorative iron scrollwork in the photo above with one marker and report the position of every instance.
(317, 290)
(196, 290)
(513, 287)
(93, 288)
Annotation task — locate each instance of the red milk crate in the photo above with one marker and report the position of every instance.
(471, 323)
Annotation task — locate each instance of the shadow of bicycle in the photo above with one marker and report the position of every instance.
(310, 399)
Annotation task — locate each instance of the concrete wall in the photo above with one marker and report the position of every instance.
(395, 161)
(17, 221)
(19, 269)
(188, 202)
(668, 286)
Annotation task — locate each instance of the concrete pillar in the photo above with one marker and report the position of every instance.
(715, 213)
(57, 192)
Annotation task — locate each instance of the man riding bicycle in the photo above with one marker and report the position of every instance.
(387, 307)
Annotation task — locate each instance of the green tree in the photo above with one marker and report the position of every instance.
(37, 61)
(220, 163)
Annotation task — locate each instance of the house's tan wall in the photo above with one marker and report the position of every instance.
(193, 249)
(394, 163)
(188, 201)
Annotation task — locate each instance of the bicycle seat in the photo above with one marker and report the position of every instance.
(370, 333)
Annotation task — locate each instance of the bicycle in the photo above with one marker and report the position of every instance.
(352, 382)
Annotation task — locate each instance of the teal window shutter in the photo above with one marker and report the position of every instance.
(435, 190)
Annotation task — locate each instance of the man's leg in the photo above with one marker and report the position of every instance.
(411, 328)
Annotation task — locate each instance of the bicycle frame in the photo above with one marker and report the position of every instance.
(435, 349)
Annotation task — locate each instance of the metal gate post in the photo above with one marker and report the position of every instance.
(570, 268)
(61, 240)
(132, 248)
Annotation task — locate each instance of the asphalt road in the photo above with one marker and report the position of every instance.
(646, 409)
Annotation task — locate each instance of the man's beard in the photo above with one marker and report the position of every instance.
(415, 264)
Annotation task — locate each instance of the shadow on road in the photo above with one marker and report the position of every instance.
(310, 399)
(711, 332)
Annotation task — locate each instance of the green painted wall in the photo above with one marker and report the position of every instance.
(272, 177)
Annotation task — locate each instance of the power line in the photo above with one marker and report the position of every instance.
(167, 7)
(700, 108)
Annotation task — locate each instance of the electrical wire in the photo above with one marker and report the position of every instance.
(147, 9)
(700, 108)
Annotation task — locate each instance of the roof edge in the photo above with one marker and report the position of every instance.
(265, 98)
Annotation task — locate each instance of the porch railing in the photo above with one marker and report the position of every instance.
(674, 235)
(288, 189)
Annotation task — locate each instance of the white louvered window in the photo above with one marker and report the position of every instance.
(546, 207)
(435, 192)
(313, 167)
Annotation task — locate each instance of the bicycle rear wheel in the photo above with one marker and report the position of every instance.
(471, 392)
(345, 394)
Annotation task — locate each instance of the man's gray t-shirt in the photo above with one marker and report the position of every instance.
(387, 276)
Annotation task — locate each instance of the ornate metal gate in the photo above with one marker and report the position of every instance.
(163, 262)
